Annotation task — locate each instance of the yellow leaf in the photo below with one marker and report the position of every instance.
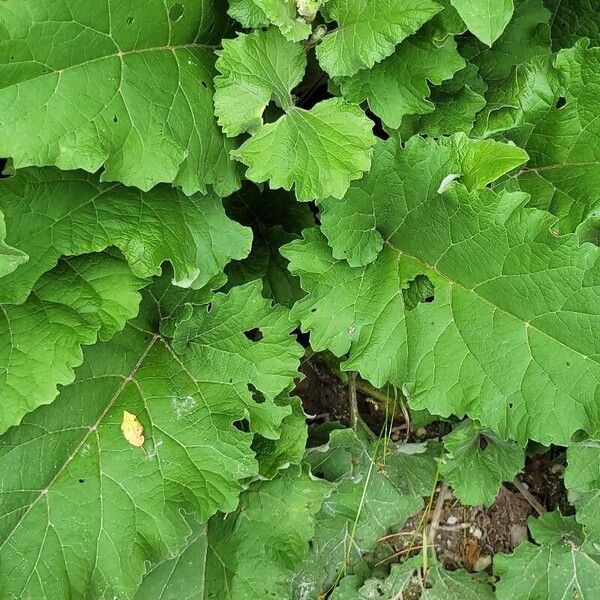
(132, 429)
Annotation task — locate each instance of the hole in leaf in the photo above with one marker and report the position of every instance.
(483, 443)
(272, 112)
(203, 84)
(510, 405)
(129, 20)
(561, 102)
(242, 425)
(115, 119)
(82, 481)
(254, 335)
(258, 396)
(176, 12)
(420, 289)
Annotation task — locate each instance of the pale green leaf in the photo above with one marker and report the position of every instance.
(123, 86)
(398, 85)
(485, 18)
(82, 299)
(476, 462)
(355, 228)
(377, 488)
(332, 145)
(81, 509)
(255, 69)
(10, 258)
(368, 31)
(51, 213)
(553, 570)
(284, 14)
(247, 13)
(582, 480)
(506, 337)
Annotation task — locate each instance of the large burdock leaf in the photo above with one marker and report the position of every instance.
(507, 333)
(82, 299)
(555, 118)
(249, 554)
(368, 31)
(555, 568)
(355, 228)
(50, 214)
(485, 18)
(124, 86)
(82, 509)
(319, 151)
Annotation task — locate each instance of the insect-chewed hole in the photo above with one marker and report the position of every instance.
(176, 12)
(562, 101)
(254, 334)
(483, 443)
(420, 289)
(82, 481)
(258, 396)
(242, 425)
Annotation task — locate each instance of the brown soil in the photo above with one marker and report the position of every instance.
(466, 536)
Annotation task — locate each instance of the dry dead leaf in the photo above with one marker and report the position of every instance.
(132, 429)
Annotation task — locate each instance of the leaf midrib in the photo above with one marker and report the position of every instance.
(87, 435)
(526, 324)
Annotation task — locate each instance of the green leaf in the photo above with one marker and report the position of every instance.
(274, 455)
(572, 20)
(247, 13)
(285, 15)
(82, 299)
(476, 462)
(256, 552)
(506, 336)
(582, 477)
(355, 229)
(486, 19)
(403, 582)
(248, 82)
(244, 340)
(377, 488)
(248, 554)
(127, 87)
(179, 578)
(563, 175)
(81, 509)
(367, 32)
(398, 85)
(556, 569)
(51, 213)
(526, 37)
(10, 258)
(333, 145)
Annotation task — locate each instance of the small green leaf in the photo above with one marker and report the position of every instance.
(248, 82)
(248, 13)
(476, 462)
(284, 14)
(333, 145)
(485, 18)
(368, 31)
